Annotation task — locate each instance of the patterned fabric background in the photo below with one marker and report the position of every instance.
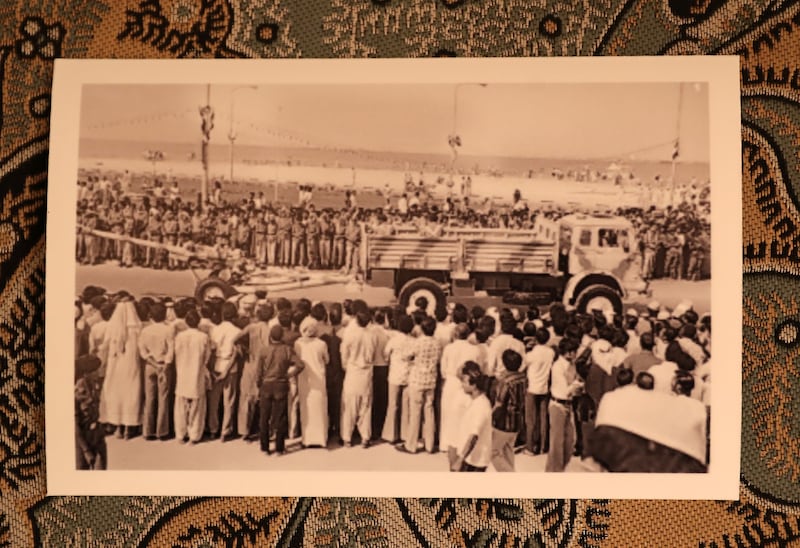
(764, 33)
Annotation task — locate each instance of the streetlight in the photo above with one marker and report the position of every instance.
(231, 133)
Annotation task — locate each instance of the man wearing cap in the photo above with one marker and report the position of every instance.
(277, 363)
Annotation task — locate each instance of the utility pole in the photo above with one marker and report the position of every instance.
(206, 125)
(676, 149)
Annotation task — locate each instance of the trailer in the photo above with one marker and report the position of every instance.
(590, 262)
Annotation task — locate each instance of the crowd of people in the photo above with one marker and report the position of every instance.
(673, 242)
(623, 392)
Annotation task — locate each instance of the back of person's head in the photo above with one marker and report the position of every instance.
(645, 381)
(532, 313)
(542, 335)
(158, 312)
(624, 376)
(143, 310)
(572, 331)
(461, 331)
(440, 314)
(689, 331)
(428, 326)
(488, 323)
(421, 303)
(283, 304)
(631, 322)
(319, 313)
(229, 312)
(192, 318)
(460, 313)
(303, 304)
(98, 301)
(477, 313)
(347, 306)
(298, 316)
(620, 338)
(567, 346)
(379, 317)
(206, 310)
(360, 305)
(507, 324)
(690, 317)
(216, 315)
(529, 329)
(606, 333)
(265, 312)
(405, 324)
(276, 333)
(418, 315)
(512, 360)
(107, 310)
(363, 318)
(670, 334)
(285, 319)
(683, 383)
(335, 314)
(475, 377)
(647, 341)
(482, 334)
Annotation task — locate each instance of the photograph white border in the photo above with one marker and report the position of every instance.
(720, 72)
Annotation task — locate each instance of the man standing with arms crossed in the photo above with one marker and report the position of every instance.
(157, 349)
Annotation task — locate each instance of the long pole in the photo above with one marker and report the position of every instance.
(676, 152)
(206, 136)
(231, 136)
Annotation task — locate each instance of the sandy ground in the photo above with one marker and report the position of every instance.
(143, 281)
(140, 454)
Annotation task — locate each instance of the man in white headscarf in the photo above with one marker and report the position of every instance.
(311, 385)
(121, 399)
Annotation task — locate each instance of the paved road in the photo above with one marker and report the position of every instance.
(143, 281)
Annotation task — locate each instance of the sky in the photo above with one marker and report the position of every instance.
(586, 121)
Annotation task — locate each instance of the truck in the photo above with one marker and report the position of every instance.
(590, 262)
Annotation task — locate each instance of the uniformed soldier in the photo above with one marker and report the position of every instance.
(284, 237)
(154, 234)
(697, 245)
(271, 239)
(259, 228)
(325, 240)
(312, 241)
(673, 257)
(170, 238)
(298, 241)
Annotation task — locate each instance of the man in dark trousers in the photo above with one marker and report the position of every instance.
(276, 365)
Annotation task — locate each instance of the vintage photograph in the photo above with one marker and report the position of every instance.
(462, 276)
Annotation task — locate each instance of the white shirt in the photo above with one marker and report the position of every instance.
(500, 344)
(562, 378)
(223, 337)
(455, 355)
(539, 361)
(477, 421)
(192, 351)
(398, 350)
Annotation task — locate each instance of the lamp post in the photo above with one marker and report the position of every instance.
(207, 124)
(231, 132)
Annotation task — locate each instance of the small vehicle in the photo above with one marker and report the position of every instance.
(586, 261)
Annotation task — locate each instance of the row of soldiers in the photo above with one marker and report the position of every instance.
(276, 237)
(680, 241)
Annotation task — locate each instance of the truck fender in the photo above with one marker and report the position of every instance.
(581, 281)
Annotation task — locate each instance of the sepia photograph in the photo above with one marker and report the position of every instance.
(321, 270)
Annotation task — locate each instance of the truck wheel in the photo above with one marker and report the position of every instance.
(423, 287)
(211, 288)
(599, 297)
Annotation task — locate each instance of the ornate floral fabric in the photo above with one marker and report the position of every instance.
(765, 34)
